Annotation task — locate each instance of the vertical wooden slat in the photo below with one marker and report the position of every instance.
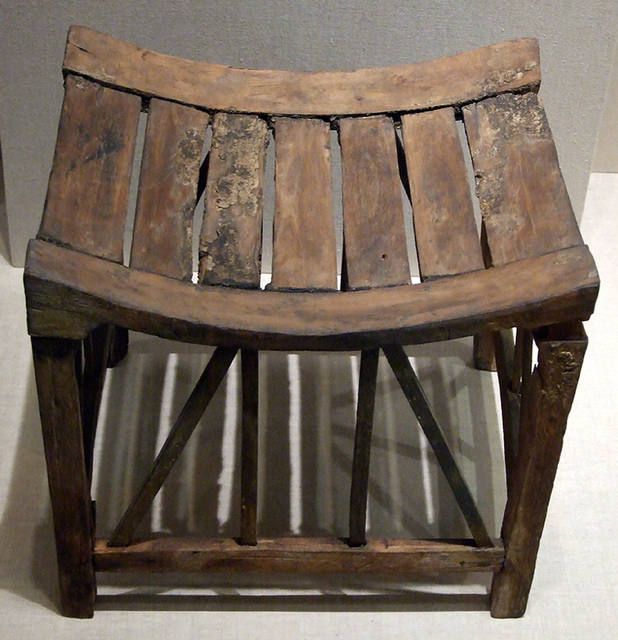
(525, 206)
(168, 189)
(88, 190)
(362, 446)
(59, 405)
(447, 239)
(249, 454)
(376, 251)
(304, 248)
(231, 237)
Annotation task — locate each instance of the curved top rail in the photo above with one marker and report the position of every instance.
(458, 79)
(532, 292)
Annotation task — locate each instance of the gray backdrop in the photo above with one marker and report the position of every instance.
(577, 47)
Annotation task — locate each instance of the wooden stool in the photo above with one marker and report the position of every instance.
(526, 267)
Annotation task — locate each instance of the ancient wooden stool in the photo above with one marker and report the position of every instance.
(526, 267)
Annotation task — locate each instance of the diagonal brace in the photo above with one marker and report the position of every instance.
(193, 410)
(413, 391)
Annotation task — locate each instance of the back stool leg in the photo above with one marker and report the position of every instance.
(119, 346)
(96, 357)
(59, 405)
(546, 400)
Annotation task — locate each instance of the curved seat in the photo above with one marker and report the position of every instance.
(409, 137)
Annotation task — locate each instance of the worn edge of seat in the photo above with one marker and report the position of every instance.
(68, 293)
(454, 80)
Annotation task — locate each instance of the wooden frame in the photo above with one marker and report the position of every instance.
(397, 127)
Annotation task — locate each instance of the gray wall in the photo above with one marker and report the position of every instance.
(606, 155)
(577, 44)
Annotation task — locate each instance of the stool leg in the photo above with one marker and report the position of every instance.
(362, 446)
(96, 358)
(547, 399)
(483, 350)
(59, 405)
(119, 346)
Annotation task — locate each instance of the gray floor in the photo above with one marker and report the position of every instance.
(574, 593)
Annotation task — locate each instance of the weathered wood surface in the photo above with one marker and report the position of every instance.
(413, 391)
(362, 446)
(231, 237)
(296, 555)
(549, 396)
(162, 235)
(447, 240)
(304, 247)
(376, 252)
(59, 405)
(178, 437)
(525, 206)
(527, 293)
(249, 450)
(88, 191)
(457, 79)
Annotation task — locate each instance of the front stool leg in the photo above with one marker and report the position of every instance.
(546, 402)
(55, 363)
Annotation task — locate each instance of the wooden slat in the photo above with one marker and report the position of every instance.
(528, 293)
(468, 76)
(373, 226)
(88, 189)
(304, 248)
(249, 454)
(362, 446)
(178, 437)
(525, 206)
(162, 236)
(447, 239)
(414, 394)
(231, 237)
(296, 555)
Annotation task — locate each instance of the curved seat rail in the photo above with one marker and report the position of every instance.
(466, 77)
(70, 293)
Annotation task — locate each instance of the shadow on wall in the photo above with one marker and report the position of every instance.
(5, 250)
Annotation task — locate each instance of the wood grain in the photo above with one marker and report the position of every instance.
(447, 240)
(457, 79)
(297, 555)
(59, 405)
(376, 251)
(88, 192)
(525, 206)
(550, 394)
(249, 451)
(527, 293)
(304, 247)
(162, 236)
(231, 236)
